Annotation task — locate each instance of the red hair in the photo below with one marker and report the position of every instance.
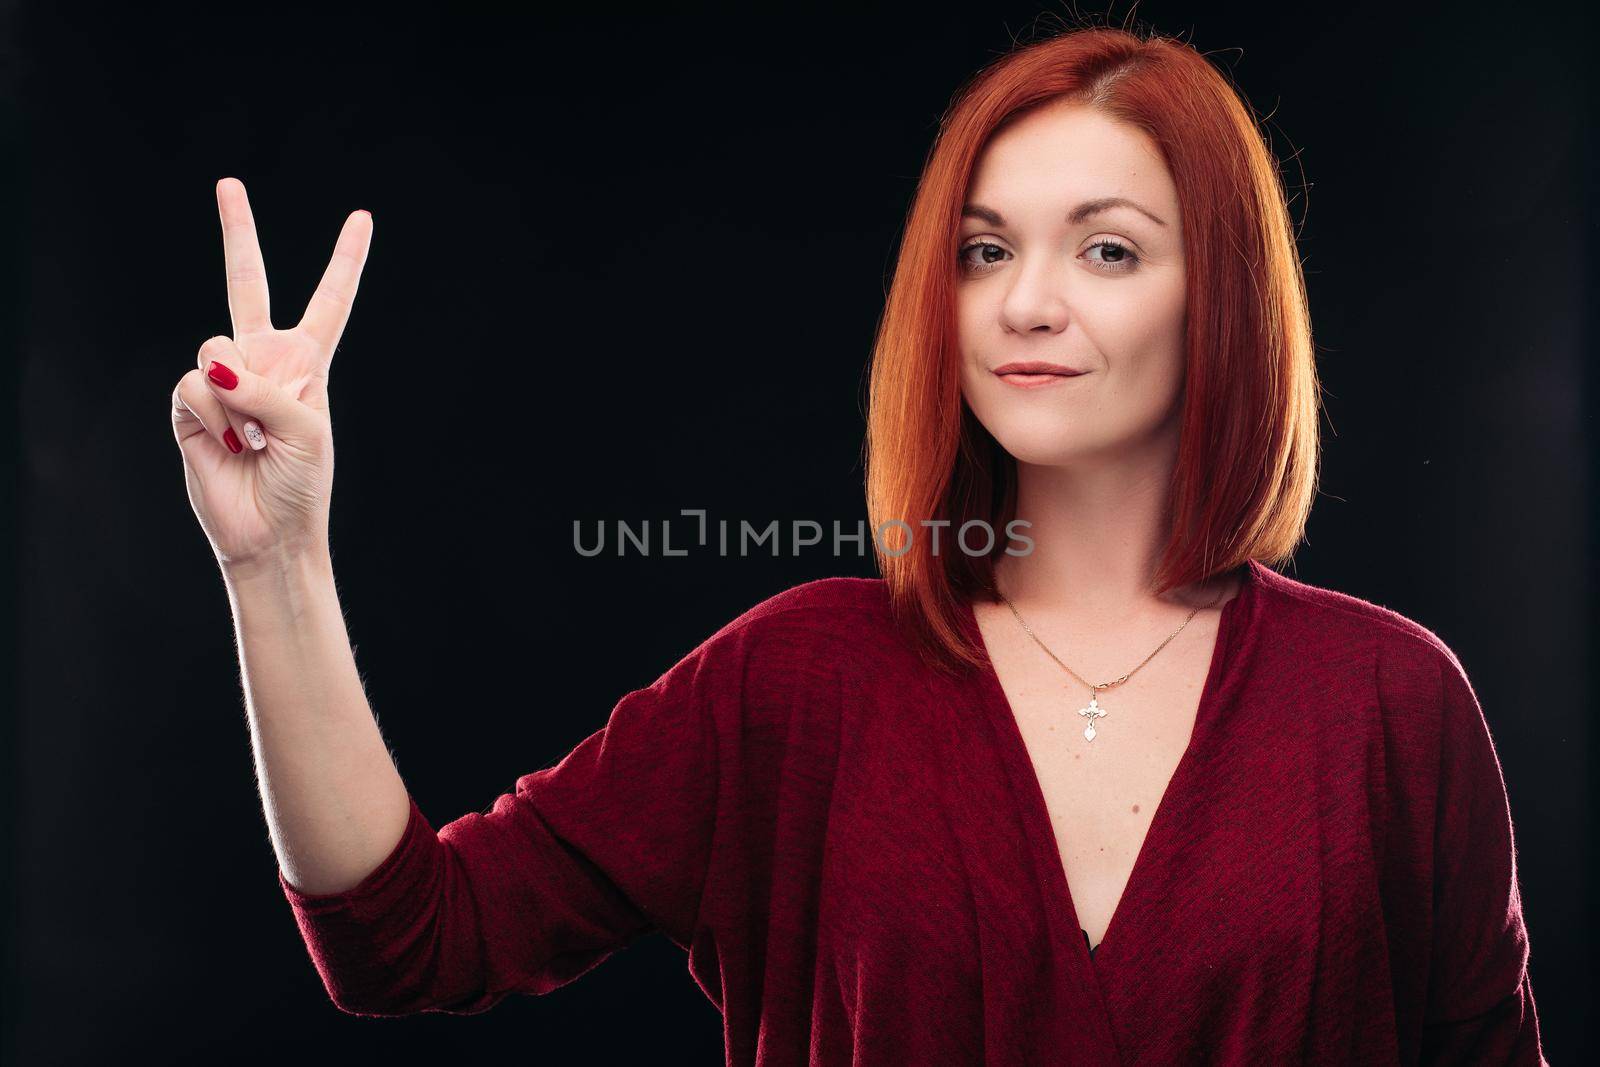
(1246, 469)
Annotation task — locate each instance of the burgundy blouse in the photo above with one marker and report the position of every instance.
(855, 853)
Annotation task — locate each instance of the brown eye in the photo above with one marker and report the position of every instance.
(1118, 257)
(984, 262)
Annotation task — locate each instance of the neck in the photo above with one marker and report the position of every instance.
(1098, 532)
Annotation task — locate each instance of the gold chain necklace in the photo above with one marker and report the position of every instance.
(1093, 710)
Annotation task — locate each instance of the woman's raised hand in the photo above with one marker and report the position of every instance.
(252, 418)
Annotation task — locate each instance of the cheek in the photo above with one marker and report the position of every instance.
(1141, 331)
(970, 338)
(969, 314)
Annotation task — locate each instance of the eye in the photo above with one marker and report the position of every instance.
(1115, 257)
(1123, 258)
(975, 268)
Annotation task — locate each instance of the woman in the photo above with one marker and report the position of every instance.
(1122, 794)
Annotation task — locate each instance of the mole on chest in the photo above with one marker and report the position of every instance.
(1103, 768)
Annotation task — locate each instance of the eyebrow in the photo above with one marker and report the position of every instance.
(1083, 211)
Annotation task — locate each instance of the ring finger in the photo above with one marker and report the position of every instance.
(222, 350)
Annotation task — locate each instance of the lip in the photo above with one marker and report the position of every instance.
(1036, 366)
(1032, 374)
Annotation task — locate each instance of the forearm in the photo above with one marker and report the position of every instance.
(334, 802)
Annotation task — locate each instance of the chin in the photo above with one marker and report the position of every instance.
(1041, 446)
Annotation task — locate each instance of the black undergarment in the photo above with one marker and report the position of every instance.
(1086, 944)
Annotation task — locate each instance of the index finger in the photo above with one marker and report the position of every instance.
(329, 308)
(247, 274)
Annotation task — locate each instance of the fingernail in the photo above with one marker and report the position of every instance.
(232, 441)
(253, 434)
(220, 374)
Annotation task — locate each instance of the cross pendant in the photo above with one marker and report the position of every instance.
(1092, 712)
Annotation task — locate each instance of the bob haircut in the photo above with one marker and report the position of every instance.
(1248, 450)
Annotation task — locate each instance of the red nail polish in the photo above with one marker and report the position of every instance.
(220, 374)
(232, 439)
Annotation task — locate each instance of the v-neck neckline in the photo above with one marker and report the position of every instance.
(1035, 809)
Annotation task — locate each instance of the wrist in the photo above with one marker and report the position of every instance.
(277, 565)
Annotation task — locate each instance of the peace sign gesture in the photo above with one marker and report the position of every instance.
(251, 420)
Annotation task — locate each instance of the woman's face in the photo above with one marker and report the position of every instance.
(1044, 276)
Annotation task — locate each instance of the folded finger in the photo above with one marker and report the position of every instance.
(196, 410)
(217, 358)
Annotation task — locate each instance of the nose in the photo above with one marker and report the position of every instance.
(1036, 301)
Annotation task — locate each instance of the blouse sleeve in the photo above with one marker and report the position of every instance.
(1480, 1007)
(578, 860)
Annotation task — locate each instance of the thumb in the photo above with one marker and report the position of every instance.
(249, 393)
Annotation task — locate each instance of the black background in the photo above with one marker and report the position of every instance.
(628, 260)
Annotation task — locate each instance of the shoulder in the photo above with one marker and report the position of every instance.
(820, 599)
(1421, 687)
(821, 612)
(798, 654)
(1312, 613)
(827, 621)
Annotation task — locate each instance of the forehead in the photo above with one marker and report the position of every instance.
(1063, 153)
